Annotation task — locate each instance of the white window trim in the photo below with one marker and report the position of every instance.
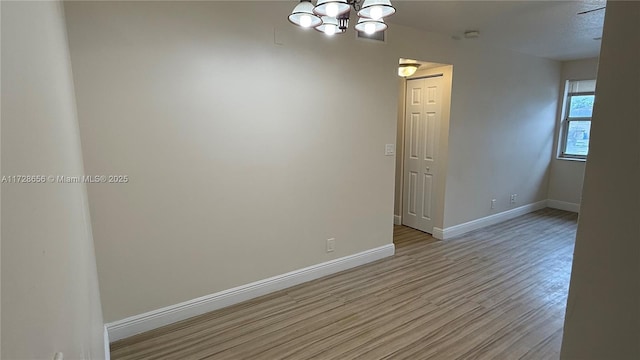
(564, 124)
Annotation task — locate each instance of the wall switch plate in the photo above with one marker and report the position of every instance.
(331, 245)
(493, 203)
(513, 198)
(390, 149)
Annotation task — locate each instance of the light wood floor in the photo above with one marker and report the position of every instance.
(496, 293)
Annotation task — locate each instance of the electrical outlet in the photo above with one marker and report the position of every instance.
(493, 203)
(513, 198)
(331, 245)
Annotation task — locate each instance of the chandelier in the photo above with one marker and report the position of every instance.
(332, 16)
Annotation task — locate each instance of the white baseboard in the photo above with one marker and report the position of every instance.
(397, 220)
(563, 205)
(154, 319)
(463, 228)
(107, 350)
(438, 233)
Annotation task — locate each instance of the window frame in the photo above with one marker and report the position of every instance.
(566, 121)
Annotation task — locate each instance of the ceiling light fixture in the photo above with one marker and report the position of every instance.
(407, 69)
(471, 34)
(302, 15)
(370, 26)
(332, 16)
(329, 25)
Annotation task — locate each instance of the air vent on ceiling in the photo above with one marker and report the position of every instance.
(377, 36)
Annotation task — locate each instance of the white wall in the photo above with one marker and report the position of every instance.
(50, 298)
(603, 310)
(500, 135)
(245, 156)
(566, 177)
(241, 163)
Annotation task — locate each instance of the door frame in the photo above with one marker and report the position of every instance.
(446, 71)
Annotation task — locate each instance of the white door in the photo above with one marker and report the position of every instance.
(422, 123)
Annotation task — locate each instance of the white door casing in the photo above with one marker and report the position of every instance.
(422, 124)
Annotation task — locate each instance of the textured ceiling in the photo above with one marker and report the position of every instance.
(549, 29)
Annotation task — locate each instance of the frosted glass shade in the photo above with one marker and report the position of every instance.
(376, 9)
(302, 15)
(331, 8)
(405, 70)
(329, 26)
(370, 26)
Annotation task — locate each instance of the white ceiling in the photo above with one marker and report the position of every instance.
(549, 29)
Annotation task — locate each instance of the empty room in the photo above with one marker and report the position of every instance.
(327, 179)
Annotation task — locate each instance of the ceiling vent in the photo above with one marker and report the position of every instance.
(377, 36)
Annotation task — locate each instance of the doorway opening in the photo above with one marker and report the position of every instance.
(424, 107)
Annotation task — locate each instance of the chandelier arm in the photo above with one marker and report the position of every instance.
(355, 4)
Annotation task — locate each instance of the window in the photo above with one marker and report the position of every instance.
(576, 121)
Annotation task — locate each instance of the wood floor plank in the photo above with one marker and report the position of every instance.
(495, 293)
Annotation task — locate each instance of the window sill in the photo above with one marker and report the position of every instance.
(571, 159)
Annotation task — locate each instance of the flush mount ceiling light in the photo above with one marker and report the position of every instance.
(332, 16)
(471, 34)
(407, 69)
